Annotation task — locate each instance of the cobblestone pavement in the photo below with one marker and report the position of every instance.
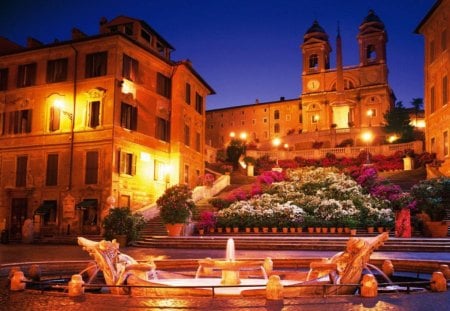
(36, 300)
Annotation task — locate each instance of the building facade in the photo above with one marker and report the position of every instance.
(435, 27)
(94, 122)
(336, 104)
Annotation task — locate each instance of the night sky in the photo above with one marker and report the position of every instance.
(244, 49)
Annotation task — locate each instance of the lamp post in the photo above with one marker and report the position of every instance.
(370, 115)
(316, 120)
(367, 137)
(276, 142)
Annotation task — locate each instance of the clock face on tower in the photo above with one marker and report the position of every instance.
(313, 84)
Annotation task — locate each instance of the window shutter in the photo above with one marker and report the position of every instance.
(133, 165)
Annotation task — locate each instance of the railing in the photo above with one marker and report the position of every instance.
(417, 146)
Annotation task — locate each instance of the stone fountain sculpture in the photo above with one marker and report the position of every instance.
(341, 273)
(116, 267)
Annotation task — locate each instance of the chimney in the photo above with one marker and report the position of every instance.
(33, 43)
(77, 34)
(282, 99)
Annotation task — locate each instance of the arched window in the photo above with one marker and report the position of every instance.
(371, 52)
(313, 62)
(276, 114)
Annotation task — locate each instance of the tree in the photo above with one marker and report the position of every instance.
(398, 123)
(235, 149)
(417, 104)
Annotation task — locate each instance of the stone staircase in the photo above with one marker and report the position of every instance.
(154, 227)
(301, 241)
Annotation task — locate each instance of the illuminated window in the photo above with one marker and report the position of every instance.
(20, 121)
(55, 118)
(93, 114)
(96, 64)
(127, 164)
(186, 174)
(57, 70)
(26, 75)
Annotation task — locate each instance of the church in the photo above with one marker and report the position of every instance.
(336, 104)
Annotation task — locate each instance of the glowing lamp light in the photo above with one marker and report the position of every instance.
(276, 142)
(367, 137)
(243, 136)
(232, 134)
(58, 103)
(392, 138)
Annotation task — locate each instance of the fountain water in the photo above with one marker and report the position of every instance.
(230, 250)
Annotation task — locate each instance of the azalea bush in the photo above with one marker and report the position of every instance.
(324, 195)
(432, 197)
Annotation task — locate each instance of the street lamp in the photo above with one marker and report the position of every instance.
(367, 137)
(370, 115)
(316, 119)
(276, 142)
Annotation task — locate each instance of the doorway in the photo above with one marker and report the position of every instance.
(19, 208)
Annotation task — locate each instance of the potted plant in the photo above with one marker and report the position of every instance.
(207, 221)
(175, 207)
(432, 197)
(121, 224)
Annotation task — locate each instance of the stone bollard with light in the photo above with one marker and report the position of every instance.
(17, 283)
(388, 268)
(34, 273)
(369, 286)
(76, 286)
(438, 282)
(445, 271)
(274, 293)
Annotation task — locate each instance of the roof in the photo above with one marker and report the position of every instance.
(425, 19)
(254, 104)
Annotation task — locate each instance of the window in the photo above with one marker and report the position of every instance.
(276, 114)
(51, 177)
(127, 164)
(187, 135)
(265, 120)
(371, 52)
(432, 100)
(198, 103)
(57, 70)
(186, 174)
(444, 40)
(162, 129)
(433, 145)
(93, 117)
(276, 128)
(2, 123)
(445, 138)
(21, 171)
(91, 169)
(128, 29)
(146, 36)
(188, 94)
(128, 117)
(161, 172)
(444, 91)
(163, 85)
(432, 51)
(26, 75)
(253, 121)
(4, 79)
(48, 211)
(130, 68)
(313, 62)
(96, 64)
(197, 142)
(20, 121)
(55, 118)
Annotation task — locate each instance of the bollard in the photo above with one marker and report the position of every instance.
(16, 281)
(274, 293)
(369, 286)
(438, 282)
(388, 268)
(76, 286)
(34, 272)
(445, 271)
